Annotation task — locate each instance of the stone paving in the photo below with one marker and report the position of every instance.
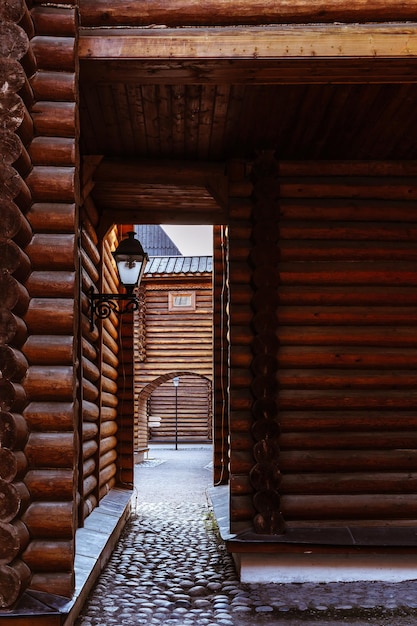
(170, 568)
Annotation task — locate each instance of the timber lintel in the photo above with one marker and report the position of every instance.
(397, 40)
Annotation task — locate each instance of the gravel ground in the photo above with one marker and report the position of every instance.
(171, 569)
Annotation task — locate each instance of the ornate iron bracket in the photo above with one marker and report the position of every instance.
(102, 305)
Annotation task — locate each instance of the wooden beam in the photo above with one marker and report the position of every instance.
(222, 12)
(273, 42)
(310, 70)
(157, 192)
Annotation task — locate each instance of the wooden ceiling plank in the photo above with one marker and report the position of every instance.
(123, 118)
(192, 116)
(219, 116)
(178, 124)
(158, 172)
(284, 41)
(151, 121)
(165, 119)
(195, 12)
(134, 95)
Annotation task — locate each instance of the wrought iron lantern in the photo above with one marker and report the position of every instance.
(130, 261)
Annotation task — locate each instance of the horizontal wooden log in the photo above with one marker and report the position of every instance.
(90, 390)
(105, 477)
(107, 459)
(49, 349)
(45, 314)
(13, 363)
(50, 519)
(50, 450)
(342, 379)
(13, 396)
(110, 400)
(50, 86)
(13, 224)
(52, 184)
(109, 428)
(89, 485)
(108, 443)
(58, 583)
(11, 149)
(10, 501)
(52, 217)
(108, 385)
(56, 21)
(341, 440)
(14, 41)
(42, 252)
(13, 431)
(8, 464)
(349, 483)
(91, 412)
(357, 421)
(49, 556)
(89, 430)
(12, 11)
(340, 296)
(47, 284)
(349, 357)
(50, 484)
(47, 382)
(50, 416)
(89, 448)
(347, 399)
(55, 120)
(12, 74)
(341, 273)
(15, 296)
(59, 151)
(90, 247)
(13, 187)
(324, 461)
(216, 12)
(346, 506)
(352, 336)
(13, 539)
(14, 579)
(54, 53)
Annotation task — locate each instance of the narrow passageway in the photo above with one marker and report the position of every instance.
(170, 568)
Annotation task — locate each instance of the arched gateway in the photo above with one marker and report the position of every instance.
(291, 124)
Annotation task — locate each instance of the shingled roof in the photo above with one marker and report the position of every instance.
(179, 265)
(155, 241)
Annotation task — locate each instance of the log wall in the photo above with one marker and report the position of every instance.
(104, 381)
(38, 214)
(330, 415)
(170, 343)
(15, 233)
(51, 319)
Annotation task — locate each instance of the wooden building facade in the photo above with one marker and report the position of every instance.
(291, 128)
(174, 339)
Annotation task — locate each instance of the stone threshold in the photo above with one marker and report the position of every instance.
(94, 545)
(318, 554)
